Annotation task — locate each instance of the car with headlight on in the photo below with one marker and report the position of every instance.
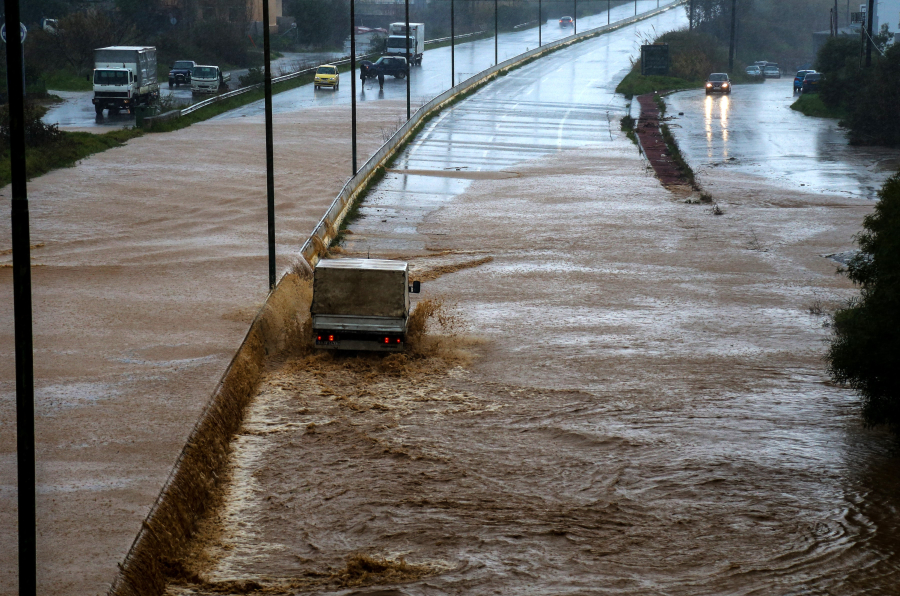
(718, 82)
(798, 79)
(327, 76)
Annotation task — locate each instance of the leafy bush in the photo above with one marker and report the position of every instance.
(254, 76)
(868, 96)
(865, 347)
(36, 132)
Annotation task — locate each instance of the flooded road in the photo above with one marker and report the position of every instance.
(627, 395)
(753, 131)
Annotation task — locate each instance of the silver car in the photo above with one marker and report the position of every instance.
(772, 72)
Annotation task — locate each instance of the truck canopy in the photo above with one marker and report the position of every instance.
(361, 287)
(143, 58)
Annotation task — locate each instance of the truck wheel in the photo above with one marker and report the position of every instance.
(171, 83)
(99, 109)
(316, 87)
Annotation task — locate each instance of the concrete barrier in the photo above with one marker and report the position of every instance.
(184, 498)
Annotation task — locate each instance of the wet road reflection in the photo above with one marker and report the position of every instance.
(754, 131)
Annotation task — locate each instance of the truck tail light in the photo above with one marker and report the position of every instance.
(387, 340)
(330, 338)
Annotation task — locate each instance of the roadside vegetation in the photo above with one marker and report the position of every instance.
(48, 148)
(865, 346)
(812, 105)
(865, 98)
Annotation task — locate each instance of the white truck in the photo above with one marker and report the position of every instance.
(124, 77)
(396, 42)
(361, 304)
(209, 79)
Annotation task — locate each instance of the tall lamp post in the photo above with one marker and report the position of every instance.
(270, 152)
(608, 3)
(353, 81)
(575, 20)
(540, 22)
(409, 59)
(496, 29)
(452, 45)
(21, 247)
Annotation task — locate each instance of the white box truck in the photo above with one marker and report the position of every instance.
(396, 42)
(124, 77)
(209, 79)
(361, 304)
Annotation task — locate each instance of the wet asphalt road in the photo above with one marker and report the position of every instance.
(430, 79)
(754, 131)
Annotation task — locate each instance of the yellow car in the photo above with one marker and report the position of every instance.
(327, 76)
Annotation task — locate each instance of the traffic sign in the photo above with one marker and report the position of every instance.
(23, 32)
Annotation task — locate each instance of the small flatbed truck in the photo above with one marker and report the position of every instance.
(361, 304)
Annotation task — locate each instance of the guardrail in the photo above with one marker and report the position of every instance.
(327, 228)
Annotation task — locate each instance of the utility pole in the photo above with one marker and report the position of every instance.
(635, 7)
(691, 16)
(496, 29)
(353, 81)
(608, 3)
(453, 46)
(870, 17)
(409, 59)
(575, 19)
(270, 152)
(24, 349)
(540, 21)
(731, 45)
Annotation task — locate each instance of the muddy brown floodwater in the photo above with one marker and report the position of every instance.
(149, 264)
(634, 401)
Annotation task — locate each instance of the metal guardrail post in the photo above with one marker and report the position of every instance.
(24, 349)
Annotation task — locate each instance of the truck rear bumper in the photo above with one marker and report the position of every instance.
(366, 345)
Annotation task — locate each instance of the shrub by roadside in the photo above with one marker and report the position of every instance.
(812, 105)
(865, 347)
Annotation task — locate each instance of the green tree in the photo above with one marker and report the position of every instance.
(320, 22)
(865, 347)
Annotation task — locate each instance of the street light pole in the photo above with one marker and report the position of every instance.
(270, 152)
(870, 15)
(608, 3)
(496, 29)
(575, 19)
(540, 21)
(731, 45)
(353, 80)
(24, 348)
(453, 45)
(409, 59)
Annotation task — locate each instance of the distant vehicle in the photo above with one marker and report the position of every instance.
(361, 304)
(396, 42)
(206, 78)
(754, 71)
(387, 65)
(327, 75)
(124, 77)
(50, 25)
(718, 82)
(180, 73)
(811, 82)
(566, 22)
(798, 79)
(771, 71)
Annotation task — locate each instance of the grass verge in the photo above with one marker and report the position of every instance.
(812, 105)
(627, 125)
(65, 152)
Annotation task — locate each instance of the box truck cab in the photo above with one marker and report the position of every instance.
(124, 77)
(208, 79)
(396, 42)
